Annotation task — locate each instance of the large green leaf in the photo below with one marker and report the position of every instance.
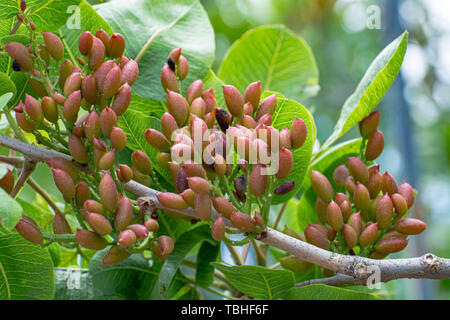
(10, 210)
(48, 15)
(258, 282)
(372, 87)
(323, 292)
(6, 85)
(287, 110)
(183, 245)
(73, 284)
(26, 269)
(211, 80)
(204, 275)
(4, 99)
(275, 55)
(305, 212)
(153, 28)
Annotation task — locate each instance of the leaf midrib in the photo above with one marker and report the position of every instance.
(3, 272)
(272, 62)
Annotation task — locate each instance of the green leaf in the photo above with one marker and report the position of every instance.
(204, 275)
(211, 80)
(134, 123)
(44, 218)
(10, 210)
(73, 284)
(372, 87)
(323, 292)
(275, 55)
(183, 245)
(305, 212)
(6, 85)
(153, 28)
(147, 106)
(26, 269)
(287, 110)
(123, 279)
(4, 99)
(14, 37)
(48, 15)
(258, 282)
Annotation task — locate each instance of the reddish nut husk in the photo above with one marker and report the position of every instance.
(168, 125)
(369, 124)
(126, 173)
(183, 68)
(172, 201)
(123, 214)
(60, 224)
(85, 43)
(198, 185)
(218, 229)
(350, 236)
(20, 54)
(116, 45)
(29, 231)
(108, 192)
(242, 221)
(93, 206)
(122, 99)
(166, 245)
(224, 207)
(78, 150)
(358, 169)
(54, 45)
(72, 106)
(49, 109)
(400, 205)
(82, 193)
(361, 197)
(157, 140)
(375, 145)
(92, 126)
(355, 221)
(169, 79)
(64, 183)
(321, 210)
(177, 106)
(194, 169)
(112, 82)
(7, 181)
(194, 91)
(130, 72)
(98, 223)
(108, 120)
(340, 174)
(385, 211)
(369, 234)
(410, 226)
(233, 100)
(115, 255)
(285, 164)
(388, 184)
(90, 240)
(408, 193)
(346, 209)
(341, 197)
(350, 185)
(106, 162)
(322, 186)
(152, 225)
(334, 216)
(202, 206)
(298, 133)
(253, 94)
(96, 54)
(374, 184)
(142, 162)
(285, 187)
(89, 89)
(258, 181)
(33, 108)
(72, 83)
(36, 85)
(391, 245)
(285, 139)
(118, 139)
(316, 237)
(268, 106)
(127, 239)
(139, 230)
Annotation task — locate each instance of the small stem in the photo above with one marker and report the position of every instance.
(280, 213)
(260, 256)
(234, 254)
(245, 252)
(276, 265)
(59, 237)
(27, 170)
(14, 161)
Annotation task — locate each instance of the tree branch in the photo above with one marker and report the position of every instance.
(357, 268)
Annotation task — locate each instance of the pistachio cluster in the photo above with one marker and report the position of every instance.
(367, 216)
(200, 141)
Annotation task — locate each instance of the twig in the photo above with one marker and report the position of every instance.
(27, 170)
(44, 195)
(280, 213)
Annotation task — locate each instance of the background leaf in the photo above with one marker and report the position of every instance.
(258, 282)
(204, 274)
(26, 269)
(323, 292)
(373, 86)
(73, 284)
(155, 27)
(6, 85)
(10, 210)
(275, 55)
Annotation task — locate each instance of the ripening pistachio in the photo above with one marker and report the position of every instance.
(368, 235)
(108, 120)
(248, 109)
(122, 100)
(372, 211)
(127, 239)
(385, 211)
(194, 91)
(101, 73)
(321, 210)
(400, 205)
(374, 184)
(37, 85)
(286, 163)
(116, 45)
(172, 201)
(388, 184)
(198, 107)
(93, 206)
(266, 119)
(152, 225)
(118, 139)
(210, 119)
(410, 226)
(22, 121)
(65, 165)
(298, 133)
(123, 214)
(142, 162)
(223, 206)
(350, 185)
(89, 89)
(284, 187)
(99, 144)
(7, 181)
(59, 98)
(140, 177)
(322, 186)
(60, 224)
(33, 108)
(268, 105)
(193, 169)
(355, 222)
(369, 124)
(173, 170)
(20, 54)
(361, 197)
(253, 94)
(108, 192)
(258, 219)
(169, 79)
(72, 84)
(157, 140)
(72, 106)
(96, 54)
(104, 37)
(166, 245)
(378, 255)
(350, 236)
(130, 72)
(202, 205)
(218, 229)
(115, 255)
(90, 240)
(65, 70)
(107, 160)
(321, 228)
(189, 196)
(358, 170)
(112, 82)
(98, 223)
(375, 145)
(122, 61)
(78, 150)
(393, 234)
(258, 181)
(181, 182)
(54, 45)
(285, 139)
(391, 245)
(49, 109)
(175, 54)
(220, 166)
(340, 174)
(233, 100)
(224, 119)
(82, 193)
(183, 68)
(29, 231)
(408, 193)
(198, 185)
(334, 216)
(242, 221)
(341, 197)
(85, 42)
(316, 237)
(177, 106)
(126, 173)
(331, 234)
(163, 158)
(64, 183)
(346, 209)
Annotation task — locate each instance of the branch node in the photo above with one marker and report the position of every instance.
(146, 205)
(362, 270)
(431, 262)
